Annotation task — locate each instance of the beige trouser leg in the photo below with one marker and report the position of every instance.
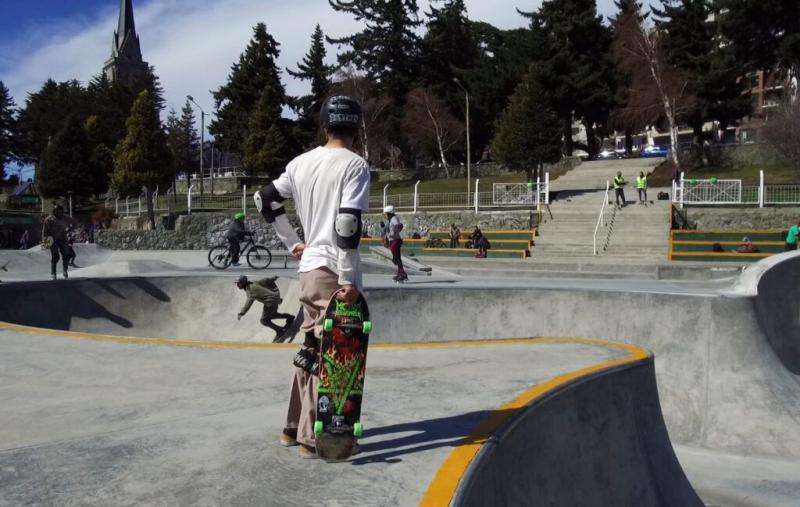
(316, 289)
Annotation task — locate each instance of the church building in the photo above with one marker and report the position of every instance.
(126, 64)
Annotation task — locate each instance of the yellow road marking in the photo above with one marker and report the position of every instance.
(444, 484)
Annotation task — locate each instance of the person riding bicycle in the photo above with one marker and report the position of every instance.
(267, 293)
(236, 233)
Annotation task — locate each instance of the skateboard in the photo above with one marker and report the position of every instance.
(343, 356)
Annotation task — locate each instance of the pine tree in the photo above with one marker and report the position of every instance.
(313, 69)
(142, 160)
(182, 139)
(45, 113)
(66, 164)
(102, 156)
(694, 46)
(9, 130)
(765, 34)
(529, 131)
(265, 148)
(387, 49)
(575, 64)
(255, 71)
(448, 45)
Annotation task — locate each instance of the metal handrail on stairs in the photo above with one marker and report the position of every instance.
(601, 219)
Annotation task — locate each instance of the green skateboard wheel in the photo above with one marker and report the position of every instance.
(367, 327)
(327, 325)
(317, 427)
(358, 430)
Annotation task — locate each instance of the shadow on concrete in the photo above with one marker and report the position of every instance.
(428, 434)
(53, 305)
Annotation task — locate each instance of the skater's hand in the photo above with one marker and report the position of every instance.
(297, 251)
(349, 294)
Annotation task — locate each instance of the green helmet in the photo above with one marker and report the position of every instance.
(238, 216)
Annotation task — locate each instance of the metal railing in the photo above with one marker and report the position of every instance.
(728, 192)
(601, 219)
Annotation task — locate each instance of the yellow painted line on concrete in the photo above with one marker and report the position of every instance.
(78, 335)
(444, 484)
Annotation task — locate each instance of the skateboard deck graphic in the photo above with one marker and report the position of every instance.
(343, 356)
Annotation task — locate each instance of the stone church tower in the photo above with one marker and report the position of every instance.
(126, 64)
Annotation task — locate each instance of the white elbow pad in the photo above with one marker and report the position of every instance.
(348, 228)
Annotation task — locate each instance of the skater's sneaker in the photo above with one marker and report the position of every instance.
(288, 440)
(308, 452)
(54, 276)
(235, 264)
(66, 275)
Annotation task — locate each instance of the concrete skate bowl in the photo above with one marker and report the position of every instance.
(174, 308)
(726, 394)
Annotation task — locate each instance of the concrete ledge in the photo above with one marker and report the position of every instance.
(600, 440)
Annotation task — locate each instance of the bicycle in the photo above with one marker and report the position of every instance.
(258, 256)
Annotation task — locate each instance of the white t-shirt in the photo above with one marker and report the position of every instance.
(321, 181)
(394, 229)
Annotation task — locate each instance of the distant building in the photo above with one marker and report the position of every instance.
(126, 64)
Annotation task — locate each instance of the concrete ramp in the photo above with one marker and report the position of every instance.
(598, 441)
(413, 266)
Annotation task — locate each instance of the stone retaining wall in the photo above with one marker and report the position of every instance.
(743, 218)
(200, 231)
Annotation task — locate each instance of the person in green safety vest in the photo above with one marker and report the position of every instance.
(619, 183)
(792, 237)
(641, 187)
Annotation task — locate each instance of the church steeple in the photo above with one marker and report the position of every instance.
(126, 63)
(126, 27)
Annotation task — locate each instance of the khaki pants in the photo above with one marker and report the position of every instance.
(316, 289)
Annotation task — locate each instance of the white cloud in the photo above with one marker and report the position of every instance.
(192, 43)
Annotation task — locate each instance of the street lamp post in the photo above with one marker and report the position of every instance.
(202, 141)
(469, 155)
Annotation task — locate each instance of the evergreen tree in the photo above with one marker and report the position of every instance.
(387, 49)
(45, 113)
(65, 165)
(765, 34)
(255, 72)
(102, 156)
(448, 45)
(575, 64)
(529, 131)
(265, 147)
(693, 45)
(9, 130)
(182, 139)
(313, 69)
(502, 61)
(142, 159)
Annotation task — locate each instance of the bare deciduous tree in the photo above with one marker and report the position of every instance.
(655, 87)
(430, 125)
(782, 130)
(348, 81)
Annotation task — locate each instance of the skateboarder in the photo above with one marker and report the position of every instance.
(54, 237)
(394, 242)
(330, 188)
(267, 293)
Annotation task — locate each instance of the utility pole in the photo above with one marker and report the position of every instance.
(202, 142)
(469, 155)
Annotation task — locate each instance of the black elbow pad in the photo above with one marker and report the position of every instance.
(268, 202)
(348, 228)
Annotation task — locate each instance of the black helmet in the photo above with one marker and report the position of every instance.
(340, 111)
(241, 282)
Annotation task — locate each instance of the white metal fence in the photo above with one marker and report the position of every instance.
(726, 192)
(509, 196)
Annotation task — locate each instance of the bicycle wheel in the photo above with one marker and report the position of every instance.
(259, 257)
(219, 257)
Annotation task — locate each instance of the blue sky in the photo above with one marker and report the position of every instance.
(191, 43)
